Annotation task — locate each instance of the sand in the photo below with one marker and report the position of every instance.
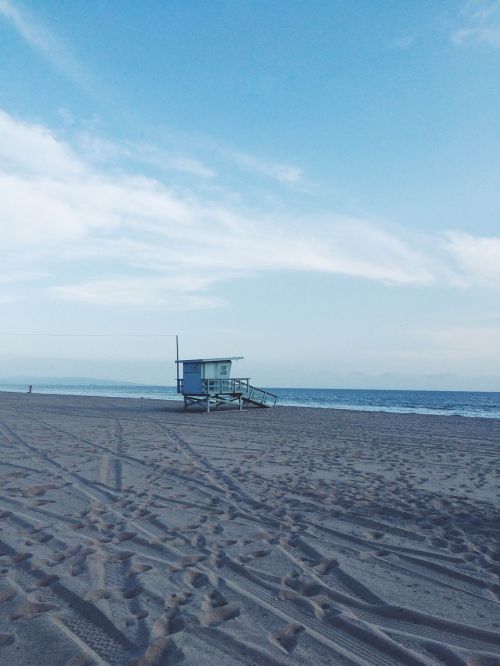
(134, 533)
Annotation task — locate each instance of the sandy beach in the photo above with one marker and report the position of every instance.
(134, 533)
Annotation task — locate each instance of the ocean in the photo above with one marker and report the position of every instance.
(445, 403)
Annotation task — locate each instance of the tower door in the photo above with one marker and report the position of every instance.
(192, 383)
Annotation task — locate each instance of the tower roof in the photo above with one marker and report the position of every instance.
(209, 360)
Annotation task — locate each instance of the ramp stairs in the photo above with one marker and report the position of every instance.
(254, 395)
(229, 390)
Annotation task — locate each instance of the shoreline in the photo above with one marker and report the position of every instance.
(362, 409)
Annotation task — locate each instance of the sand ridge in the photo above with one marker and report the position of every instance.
(134, 533)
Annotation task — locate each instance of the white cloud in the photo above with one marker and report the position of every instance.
(490, 36)
(477, 258)
(108, 236)
(482, 24)
(33, 149)
(170, 293)
(49, 195)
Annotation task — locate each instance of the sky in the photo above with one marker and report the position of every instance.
(313, 185)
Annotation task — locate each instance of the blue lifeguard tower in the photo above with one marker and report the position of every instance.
(207, 382)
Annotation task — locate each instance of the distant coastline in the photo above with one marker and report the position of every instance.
(63, 381)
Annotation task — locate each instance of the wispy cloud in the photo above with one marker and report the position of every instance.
(280, 172)
(283, 173)
(114, 236)
(40, 38)
(100, 150)
(481, 24)
(404, 42)
(20, 276)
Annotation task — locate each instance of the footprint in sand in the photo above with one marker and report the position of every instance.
(46, 580)
(29, 609)
(188, 561)
(162, 651)
(286, 637)
(212, 617)
(132, 592)
(170, 622)
(195, 578)
(213, 599)
(262, 552)
(125, 536)
(138, 569)
(20, 557)
(174, 600)
(198, 541)
(326, 565)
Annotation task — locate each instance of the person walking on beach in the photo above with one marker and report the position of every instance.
(30, 388)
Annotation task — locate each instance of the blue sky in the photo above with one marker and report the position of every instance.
(314, 185)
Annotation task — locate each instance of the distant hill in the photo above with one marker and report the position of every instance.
(66, 381)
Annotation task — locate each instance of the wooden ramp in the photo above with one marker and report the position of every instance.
(258, 397)
(217, 392)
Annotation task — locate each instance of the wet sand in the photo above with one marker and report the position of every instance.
(134, 533)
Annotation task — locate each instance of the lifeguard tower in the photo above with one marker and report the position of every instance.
(207, 382)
